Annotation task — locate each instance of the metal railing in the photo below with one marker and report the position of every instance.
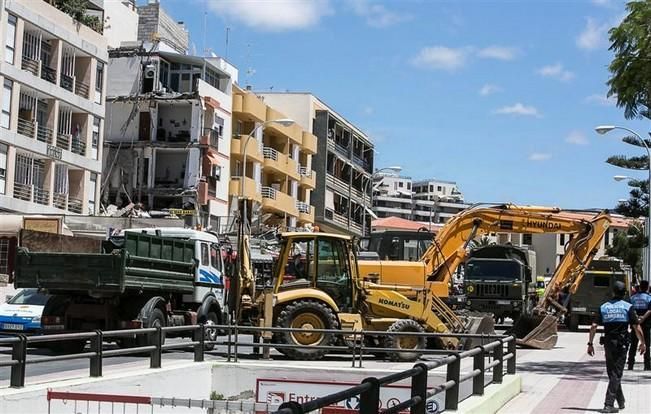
(60, 200)
(22, 191)
(49, 74)
(302, 207)
(67, 82)
(353, 345)
(78, 146)
(44, 134)
(26, 127)
(270, 153)
(63, 141)
(75, 205)
(41, 195)
(81, 88)
(29, 65)
(268, 192)
(304, 171)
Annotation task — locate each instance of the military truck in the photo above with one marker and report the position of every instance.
(496, 280)
(595, 289)
(141, 278)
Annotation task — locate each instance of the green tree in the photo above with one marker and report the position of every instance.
(630, 84)
(628, 247)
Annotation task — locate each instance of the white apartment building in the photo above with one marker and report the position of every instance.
(53, 75)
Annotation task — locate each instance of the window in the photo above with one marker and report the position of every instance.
(216, 172)
(332, 272)
(205, 257)
(10, 42)
(92, 189)
(5, 119)
(95, 141)
(3, 168)
(219, 126)
(300, 262)
(4, 256)
(99, 82)
(215, 256)
(408, 186)
(527, 239)
(601, 281)
(431, 188)
(561, 239)
(438, 188)
(607, 238)
(401, 184)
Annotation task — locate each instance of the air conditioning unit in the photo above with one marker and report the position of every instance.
(216, 172)
(150, 71)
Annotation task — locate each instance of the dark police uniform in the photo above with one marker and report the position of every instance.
(641, 303)
(615, 315)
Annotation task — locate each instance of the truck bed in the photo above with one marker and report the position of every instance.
(144, 262)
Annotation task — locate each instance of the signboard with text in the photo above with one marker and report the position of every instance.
(278, 391)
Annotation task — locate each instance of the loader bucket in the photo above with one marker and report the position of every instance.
(536, 331)
(484, 324)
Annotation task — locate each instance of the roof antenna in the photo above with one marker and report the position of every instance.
(249, 71)
(228, 31)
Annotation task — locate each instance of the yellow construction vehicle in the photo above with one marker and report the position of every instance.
(316, 285)
(450, 247)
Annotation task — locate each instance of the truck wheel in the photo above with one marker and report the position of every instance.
(156, 319)
(405, 342)
(210, 334)
(306, 314)
(572, 322)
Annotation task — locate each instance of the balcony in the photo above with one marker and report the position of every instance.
(26, 128)
(309, 143)
(336, 218)
(44, 134)
(278, 202)
(252, 149)
(68, 143)
(31, 193)
(248, 191)
(308, 178)
(275, 160)
(82, 89)
(250, 106)
(75, 205)
(337, 184)
(30, 65)
(293, 169)
(210, 137)
(293, 132)
(67, 82)
(305, 212)
(360, 162)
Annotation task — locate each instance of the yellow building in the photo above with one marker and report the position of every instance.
(278, 176)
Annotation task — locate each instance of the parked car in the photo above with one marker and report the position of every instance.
(22, 313)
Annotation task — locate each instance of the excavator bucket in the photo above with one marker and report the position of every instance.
(478, 324)
(536, 331)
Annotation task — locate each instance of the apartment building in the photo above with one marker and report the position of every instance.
(425, 201)
(343, 162)
(278, 177)
(53, 76)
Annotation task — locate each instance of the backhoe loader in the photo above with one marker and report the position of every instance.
(316, 285)
(450, 247)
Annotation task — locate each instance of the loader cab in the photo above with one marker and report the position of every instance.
(318, 261)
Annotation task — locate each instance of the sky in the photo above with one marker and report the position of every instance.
(500, 96)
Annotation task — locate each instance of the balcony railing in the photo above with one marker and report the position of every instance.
(359, 161)
(26, 127)
(268, 192)
(60, 200)
(270, 153)
(75, 205)
(304, 171)
(49, 74)
(63, 141)
(213, 137)
(337, 184)
(30, 65)
(41, 196)
(302, 207)
(67, 82)
(78, 147)
(336, 217)
(44, 134)
(23, 191)
(81, 89)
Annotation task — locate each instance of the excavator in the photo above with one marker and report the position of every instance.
(450, 247)
(316, 285)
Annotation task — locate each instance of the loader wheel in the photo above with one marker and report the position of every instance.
(306, 314)
(405, 342)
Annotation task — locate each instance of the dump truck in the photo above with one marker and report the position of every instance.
(497, 279)
(317, 285)
(141, 278)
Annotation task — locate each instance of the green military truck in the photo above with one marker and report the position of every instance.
(595, 289)
(496, 280)
(142, 278)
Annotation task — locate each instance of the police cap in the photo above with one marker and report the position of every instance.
(619, 288)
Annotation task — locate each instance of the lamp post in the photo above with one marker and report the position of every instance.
(396, 169)
(262, 126)
(604, 129)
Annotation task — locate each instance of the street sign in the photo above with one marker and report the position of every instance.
(278, 391)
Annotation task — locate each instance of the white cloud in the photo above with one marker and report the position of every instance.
(440, 57)
(377, 15)
(277, 15)
(576, 138)
(498, 52)
(602, 100)
(539, 156)
(594, 35)
(556, 71)
(519, 110)
(603, 3)
(489, 89)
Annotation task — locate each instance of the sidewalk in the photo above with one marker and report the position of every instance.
(567, 380)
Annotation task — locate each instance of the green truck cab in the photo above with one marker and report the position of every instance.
(496, 280)
(595, 289)
(141, 278)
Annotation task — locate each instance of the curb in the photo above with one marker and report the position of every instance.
(495, 397)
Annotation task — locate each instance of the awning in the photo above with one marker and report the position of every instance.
(212, 156)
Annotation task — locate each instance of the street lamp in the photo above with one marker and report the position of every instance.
(284, 122)
(396, 169)
(604, 129)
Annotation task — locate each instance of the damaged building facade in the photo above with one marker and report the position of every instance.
(53, 77)
(168, 136)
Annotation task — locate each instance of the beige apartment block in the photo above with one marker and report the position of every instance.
(278, 178)
(52, 71)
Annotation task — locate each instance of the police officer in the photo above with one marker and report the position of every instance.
(641, 302)
(615, 315)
